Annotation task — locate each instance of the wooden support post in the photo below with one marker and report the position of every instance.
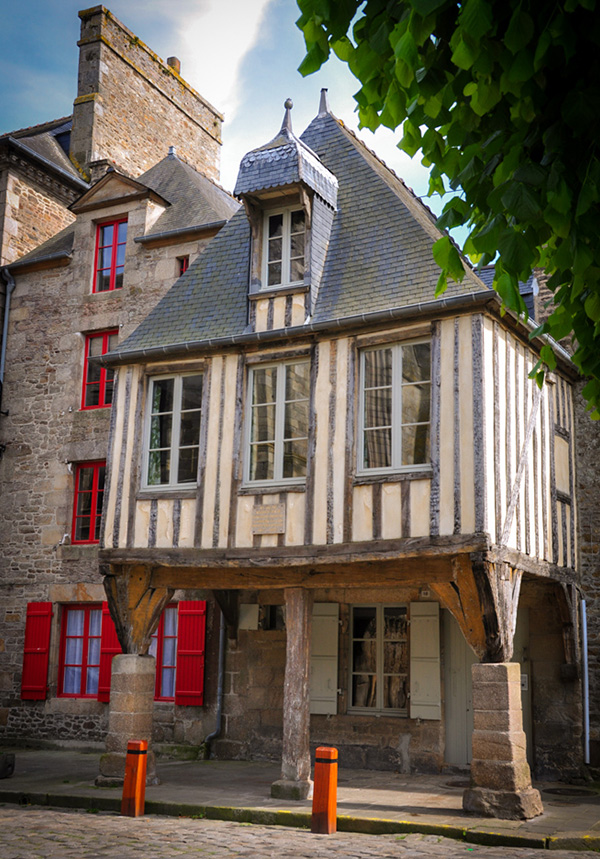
(134, 785)
(295, 782)
(324, 808)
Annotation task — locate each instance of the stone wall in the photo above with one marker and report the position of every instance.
(29, 215)
(117, 71)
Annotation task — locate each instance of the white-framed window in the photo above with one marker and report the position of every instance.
(277, 424)
(395, 407)
(284, 248)
(379, 659)
(173, 430)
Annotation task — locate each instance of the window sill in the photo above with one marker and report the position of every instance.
(364, 478)
(273, 291)
(168, 493)
(271, 488)
(379, 714)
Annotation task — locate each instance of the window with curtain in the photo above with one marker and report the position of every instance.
(173, 430)
(395, 407)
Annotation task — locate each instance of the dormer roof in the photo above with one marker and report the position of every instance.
(112, 189)
(285, 160)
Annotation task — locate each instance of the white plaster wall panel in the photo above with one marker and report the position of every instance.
(447, 427)
(362, 513)
(340, 441)
(294, 518)
(321, 429)
(502, 406)
(391, 511)
(142, 524)
(279, 312)
(187, 521)
(547, 486)
(243, 522)
(127, 487)
(227, 452)
(488, 429)
(465, 377)
(164, 523)
(210, 472)
(298, 309)
(117, 443)
(262, 312)
(420, 492)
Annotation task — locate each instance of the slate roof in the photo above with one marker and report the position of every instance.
(195, 199)
(44, 141)
(528, 288)
(285, 160)
(61, 243)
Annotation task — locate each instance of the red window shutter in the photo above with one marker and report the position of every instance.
(109, 646)
(191, 633)
(36, 651)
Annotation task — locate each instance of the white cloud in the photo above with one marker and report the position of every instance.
(213, 43)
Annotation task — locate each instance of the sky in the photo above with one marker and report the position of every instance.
(241, 55)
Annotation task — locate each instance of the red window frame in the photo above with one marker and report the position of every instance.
(105, 375)
(159, 648)
(112, 268)
(184, 264)
(86, 658)
(83, 511)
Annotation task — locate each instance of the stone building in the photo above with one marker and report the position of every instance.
(363, 478)
(100, 212)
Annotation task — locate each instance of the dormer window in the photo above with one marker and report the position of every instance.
(285, 233)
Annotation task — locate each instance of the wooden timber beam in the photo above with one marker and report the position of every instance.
(461, 598)
(566, 597)
(135, 604)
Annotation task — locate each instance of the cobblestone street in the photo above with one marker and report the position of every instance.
(29, 833)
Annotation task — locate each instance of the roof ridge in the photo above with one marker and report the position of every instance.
(40, 127)
(176, 157)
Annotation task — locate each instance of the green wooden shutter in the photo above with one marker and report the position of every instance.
(425, 689)
(324, 658)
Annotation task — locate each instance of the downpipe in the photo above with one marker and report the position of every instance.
(220, 681)
(586, 684)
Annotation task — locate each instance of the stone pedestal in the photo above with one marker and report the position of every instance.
(295, 781)
(500, 776)
(130, 716)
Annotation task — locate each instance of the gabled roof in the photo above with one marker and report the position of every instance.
(195, 200)
(379, 258)
(112, 189)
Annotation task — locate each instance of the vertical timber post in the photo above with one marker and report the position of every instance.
(295, 782)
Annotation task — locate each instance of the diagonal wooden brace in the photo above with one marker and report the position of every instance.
(135, 605)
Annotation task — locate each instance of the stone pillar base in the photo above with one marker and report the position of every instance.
(505, 804)
(292, 789)
(112, 770)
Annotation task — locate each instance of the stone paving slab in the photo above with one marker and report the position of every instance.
(30, 833)
(368, 801)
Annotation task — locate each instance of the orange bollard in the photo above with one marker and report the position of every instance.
(134, 785)
(324, 808)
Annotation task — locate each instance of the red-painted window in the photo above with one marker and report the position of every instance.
(36, 651)
(164, 648)
(184, 263)
(110, 255)
(79, 660)
(87, 506)
(109, 647)
(97, 380)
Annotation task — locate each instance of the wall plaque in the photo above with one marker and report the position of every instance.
(268, 519)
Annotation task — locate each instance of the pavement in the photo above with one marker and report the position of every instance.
(369, 801)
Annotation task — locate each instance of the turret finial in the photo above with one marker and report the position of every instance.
(287, 119)
(324, 102)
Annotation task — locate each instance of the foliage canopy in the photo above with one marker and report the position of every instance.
(502, 97)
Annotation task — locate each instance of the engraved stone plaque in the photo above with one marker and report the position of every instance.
(268, 519)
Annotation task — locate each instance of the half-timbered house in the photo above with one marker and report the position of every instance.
(362, 477)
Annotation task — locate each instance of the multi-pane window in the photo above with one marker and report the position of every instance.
(79, 662)
(278, 422)
(87, 507)
(110, 255)
(395, 407)
(98, 380)
(164, 648)
(379, 658)
(284, 248)
(173, 435)
(183, 263)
